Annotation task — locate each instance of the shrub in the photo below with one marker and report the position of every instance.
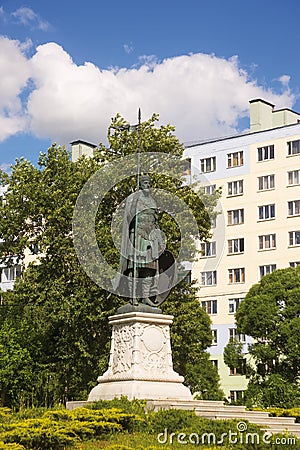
(38, 433)
(129, 421)
(5, 414)
(30, 413)
(4, 446)
(57, 429)
(174, 420)
(129, 406)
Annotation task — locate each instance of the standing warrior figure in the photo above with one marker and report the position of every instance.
(142, 245)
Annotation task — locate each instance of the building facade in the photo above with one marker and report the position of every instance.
(258, 226)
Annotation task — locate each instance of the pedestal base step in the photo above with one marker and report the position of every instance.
(154, 390)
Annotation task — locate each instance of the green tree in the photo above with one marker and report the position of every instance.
(270, 314)
(64, 310)
(233, 355)
(65, 314)
(15, 363)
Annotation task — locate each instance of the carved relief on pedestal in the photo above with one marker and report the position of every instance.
(154, 354)
(123, 348)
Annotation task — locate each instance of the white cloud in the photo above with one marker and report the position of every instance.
(202, 95)
(5, 167)
(148, 60)
(128, 48)
(15, 71)
(26, 16)
(284, 79)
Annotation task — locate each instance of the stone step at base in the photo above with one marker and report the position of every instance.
(190, 405)
(231, 412)
(233, 415)
(275, 421)
(290, 431)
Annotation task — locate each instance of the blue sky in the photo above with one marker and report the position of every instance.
(67, 67)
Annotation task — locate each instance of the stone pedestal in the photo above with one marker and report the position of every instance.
(140, 364)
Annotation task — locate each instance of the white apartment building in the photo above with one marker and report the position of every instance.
(7, 274)
(258, 228)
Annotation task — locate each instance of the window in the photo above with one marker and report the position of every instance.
(236, 275)
(208, 249)
(186, 169)
(294, 263)
(234, 335)
(240, 370)
(38, 222)
(266, 182)
(214, 337)
(215, 363)
(209, 189)
(208, 164)
(188, 277)
(235, 216)
(210, 306)
(267, 241)
(213, 222)
(235, 246)
(236, 396)
(266, 212)
(265, 270)
(233, 304)
(294, 238)
(294, 208)
(294, 177)
(34, 248)
(293, 147)
(235, 188)
(10, 273)
(265, 153)
(209, 278)
(235, 159)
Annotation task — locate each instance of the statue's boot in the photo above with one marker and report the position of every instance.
(146, 288)
(133, 301)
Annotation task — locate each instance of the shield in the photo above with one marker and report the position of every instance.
(167, 276)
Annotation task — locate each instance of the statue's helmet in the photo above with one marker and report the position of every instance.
(144, 178)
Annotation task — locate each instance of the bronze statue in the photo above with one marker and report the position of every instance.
(143, 253)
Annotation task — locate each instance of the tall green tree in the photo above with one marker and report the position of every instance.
(62, 314)
(270, 314)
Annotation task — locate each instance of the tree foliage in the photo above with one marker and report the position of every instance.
(233, 354)
(270, 314)
(56, 315)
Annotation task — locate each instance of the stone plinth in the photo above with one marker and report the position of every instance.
(140, 364)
